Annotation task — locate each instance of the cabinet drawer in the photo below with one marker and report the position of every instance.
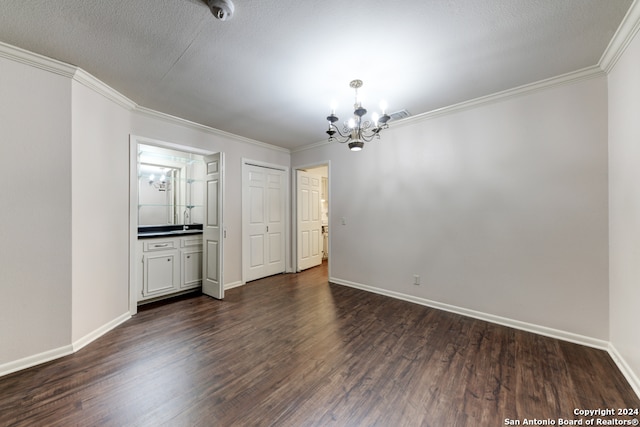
(159, 245)
(191, 242)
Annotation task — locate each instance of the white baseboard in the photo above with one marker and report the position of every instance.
(628, 373)
(233, 285)
(36, 359)
(626, 370)
(529, 327)
(92, 336)
(56, 353)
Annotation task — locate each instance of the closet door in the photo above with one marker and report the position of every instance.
(263, 210)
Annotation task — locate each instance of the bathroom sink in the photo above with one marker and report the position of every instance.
(169, 230)
(168, 233)
(195, 231)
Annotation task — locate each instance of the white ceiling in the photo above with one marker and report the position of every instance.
(271, 72)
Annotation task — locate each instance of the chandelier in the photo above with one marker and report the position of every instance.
(356, 131)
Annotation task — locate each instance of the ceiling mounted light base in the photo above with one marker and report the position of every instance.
(356, 145)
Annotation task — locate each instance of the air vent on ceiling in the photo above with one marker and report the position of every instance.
(398, 115)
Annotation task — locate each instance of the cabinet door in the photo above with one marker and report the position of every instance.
(191, 269)
(161, 273)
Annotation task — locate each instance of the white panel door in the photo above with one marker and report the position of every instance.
(212, 238)
(309, 220)
(256, 221)
(263, 222)
(275, 209)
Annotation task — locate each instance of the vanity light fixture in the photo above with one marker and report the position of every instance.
(161, 184)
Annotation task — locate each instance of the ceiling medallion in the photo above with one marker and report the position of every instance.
(356, 131)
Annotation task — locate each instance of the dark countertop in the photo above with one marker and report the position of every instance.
(149, 231)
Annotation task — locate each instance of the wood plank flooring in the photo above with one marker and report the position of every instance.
(294, 350)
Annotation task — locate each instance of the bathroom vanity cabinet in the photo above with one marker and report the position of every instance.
(168, 265)
(170, 193)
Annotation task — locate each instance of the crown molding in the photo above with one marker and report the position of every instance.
(563, 79)
(98, 86)
(79, 75)
(568, 78)
(60, 68)
(36, 60)
(200, 127)
(623, 36)
(310, 146)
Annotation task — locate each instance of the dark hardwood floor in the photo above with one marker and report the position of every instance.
(294, 350)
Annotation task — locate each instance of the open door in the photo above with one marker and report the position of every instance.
(309, 220)
(212, 230)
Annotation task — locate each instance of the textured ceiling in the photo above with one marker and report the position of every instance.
(272, 71)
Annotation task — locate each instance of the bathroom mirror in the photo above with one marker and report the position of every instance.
(159, 194)
(170, 187)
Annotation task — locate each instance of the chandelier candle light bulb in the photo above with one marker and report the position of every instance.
(356, 131)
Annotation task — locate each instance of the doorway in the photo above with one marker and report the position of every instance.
(312, 216)
(167, 192)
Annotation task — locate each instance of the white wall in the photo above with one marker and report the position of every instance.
(64, 160)
(624, 208)
(100, 229)
(500, 208)
(35, 218)
(155, 127)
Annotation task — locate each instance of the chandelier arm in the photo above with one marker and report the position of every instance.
(368, 131)
(366, 124)
(370, 136)
(344, 137)
(346, 134)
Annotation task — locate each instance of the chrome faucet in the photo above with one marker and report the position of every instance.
(186, 219)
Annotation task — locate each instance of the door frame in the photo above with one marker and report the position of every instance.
(246, 162)
(134, 140)
(294, 195)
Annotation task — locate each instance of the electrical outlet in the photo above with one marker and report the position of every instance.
(416, 279)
